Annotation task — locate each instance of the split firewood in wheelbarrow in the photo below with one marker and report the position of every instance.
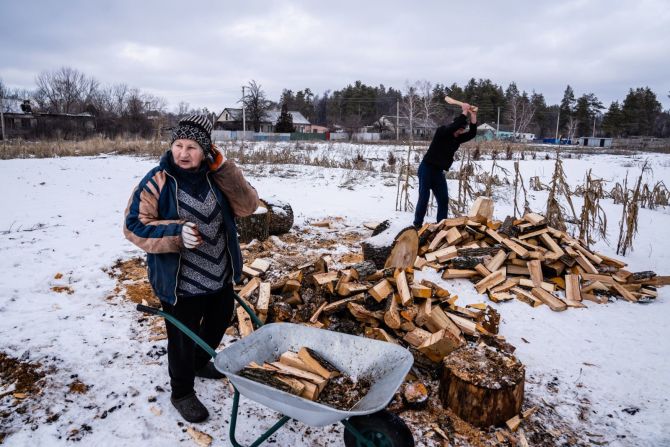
(308, 374)
(395, 246)
(280, 215)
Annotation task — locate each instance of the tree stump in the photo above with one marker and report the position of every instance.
(396, 246)
(255, 226)
(280, 215)
(482, 386)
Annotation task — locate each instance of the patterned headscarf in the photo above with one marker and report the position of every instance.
(197, 128)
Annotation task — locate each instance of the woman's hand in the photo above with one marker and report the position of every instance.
(190, 235)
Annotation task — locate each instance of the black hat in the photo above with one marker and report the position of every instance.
(197, 128)
(462, 121)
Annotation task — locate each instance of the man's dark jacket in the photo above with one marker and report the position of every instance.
(444, 145)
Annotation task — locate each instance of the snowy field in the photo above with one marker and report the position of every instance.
(605, 369)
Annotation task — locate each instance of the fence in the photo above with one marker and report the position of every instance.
(237, 135)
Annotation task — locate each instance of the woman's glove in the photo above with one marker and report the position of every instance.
(190, 235)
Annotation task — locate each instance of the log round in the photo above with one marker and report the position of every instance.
(482, 386)
(394, 247)
(280, 215)
(255, 226)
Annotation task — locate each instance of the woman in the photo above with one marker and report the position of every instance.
(182, 214)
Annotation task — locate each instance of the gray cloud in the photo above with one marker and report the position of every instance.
(203, 51)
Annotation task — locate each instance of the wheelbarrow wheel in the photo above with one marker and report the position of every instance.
(382, 429)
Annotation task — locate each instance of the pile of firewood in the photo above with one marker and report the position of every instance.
(529, 260)
(522, 259)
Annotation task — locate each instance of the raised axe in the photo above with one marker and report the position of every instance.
(456, 102)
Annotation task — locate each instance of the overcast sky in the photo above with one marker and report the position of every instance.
(202, 52)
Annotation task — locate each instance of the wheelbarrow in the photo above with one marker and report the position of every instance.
(367, 424)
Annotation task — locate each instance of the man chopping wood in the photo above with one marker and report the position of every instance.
(439, 158)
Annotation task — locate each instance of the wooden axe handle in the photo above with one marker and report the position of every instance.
(456, 102)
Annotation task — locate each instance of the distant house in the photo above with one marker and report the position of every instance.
(313, 128)
(19, 118)
(595, 142)
(386, 125)
(508, 133)
(231, 119)
(22, 121)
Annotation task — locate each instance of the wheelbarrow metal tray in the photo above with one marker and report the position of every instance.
(384, 364)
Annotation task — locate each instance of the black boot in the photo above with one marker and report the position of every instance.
(190, 408)
(209, 371)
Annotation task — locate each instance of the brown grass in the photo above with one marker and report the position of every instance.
(88, 147)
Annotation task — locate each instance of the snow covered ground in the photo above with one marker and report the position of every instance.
(605, 369)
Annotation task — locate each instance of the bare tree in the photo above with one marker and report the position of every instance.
(256, 104)
(520, 111)
(182, 108)
(65, 90)
(411, 109)
(572, 126)
(427, 106)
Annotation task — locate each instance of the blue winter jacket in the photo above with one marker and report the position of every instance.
(152, 220)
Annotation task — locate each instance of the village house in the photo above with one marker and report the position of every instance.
(422, 128)
(21, 120)
(231, 119)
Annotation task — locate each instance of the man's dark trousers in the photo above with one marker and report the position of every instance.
(206, 315)
(431, 178)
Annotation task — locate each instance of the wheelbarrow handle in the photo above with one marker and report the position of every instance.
(192, 335)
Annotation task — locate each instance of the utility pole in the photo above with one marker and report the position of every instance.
(594, 125)
(498, 123)
(558, 119)
(244, 119)
(2, 119)
(397, 119)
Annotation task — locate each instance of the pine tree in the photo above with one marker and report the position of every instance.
(285, 121)
(567, 106)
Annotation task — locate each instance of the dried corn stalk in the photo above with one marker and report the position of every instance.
(559, 186)
(593, 217)
(518, 182)
(629, 216)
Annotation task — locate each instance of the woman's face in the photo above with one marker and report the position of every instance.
(187, 154)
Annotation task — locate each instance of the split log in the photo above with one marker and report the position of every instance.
(280, 311)
(262, 265)
(508, 228)
(392, 248)
(363, 270)
(280, 216)
(415, 395)
(392, 316)
(266, 377)
(572, 288)
(298, 373)
(255, 226)
(403, 288)
(263, 302)
(483, 207)
(549, 299)
(341, 304)
(246, 327)
(482, 386)
(317, 363)
(381, 290)
(440, 344)
(417, 337)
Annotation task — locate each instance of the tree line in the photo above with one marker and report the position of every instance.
(123, 110)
